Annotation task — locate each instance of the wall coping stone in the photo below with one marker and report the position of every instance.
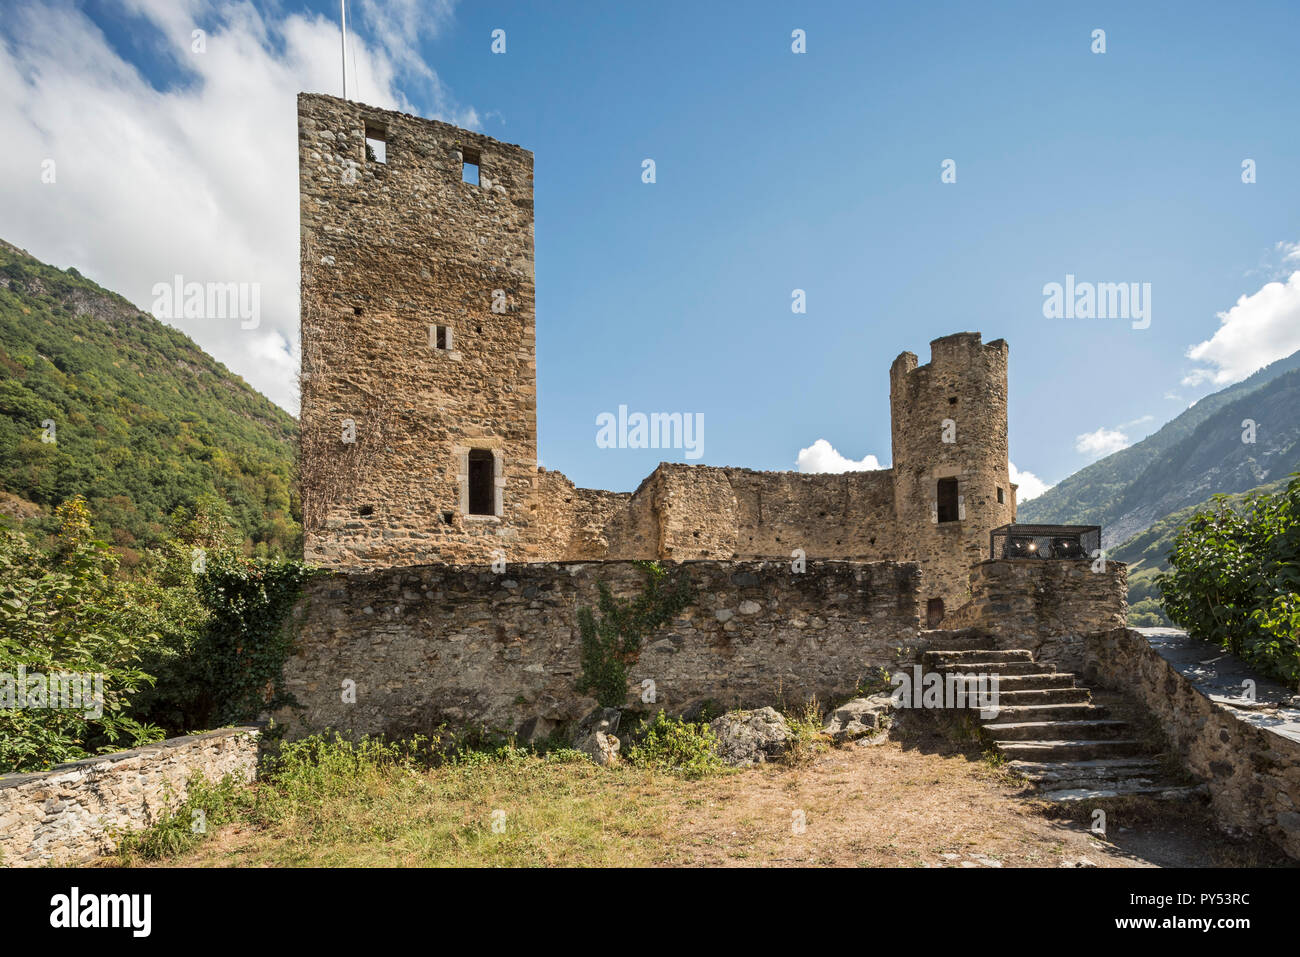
(15, 780)
(1219, 675)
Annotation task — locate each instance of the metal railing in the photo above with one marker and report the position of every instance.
(1045, 541)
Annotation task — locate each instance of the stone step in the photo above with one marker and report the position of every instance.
(1166, 791)
(1056, 730)
(1049, 712)
(1104, 769)
(1014, 699)
(996, 668)
(1082, 750)
(955, 638)
(1054, 679)
(948, 656)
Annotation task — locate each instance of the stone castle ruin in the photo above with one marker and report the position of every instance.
(458, 566)
(418, 334)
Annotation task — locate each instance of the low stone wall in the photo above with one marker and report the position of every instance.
(1247, 752)
(64, 815)
(470, 647)
(1050, 607)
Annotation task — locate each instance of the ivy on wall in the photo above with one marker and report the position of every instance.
(611, 643)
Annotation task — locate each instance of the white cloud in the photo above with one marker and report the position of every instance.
(1101, 443)
(197, 179)
(1030, 485)
(822, 457)
(1261, 328)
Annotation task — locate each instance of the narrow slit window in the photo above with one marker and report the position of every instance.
(440, 337)
(376, 143)
(469, 167)
(947, 500)
(1002, 497)
(482, 482)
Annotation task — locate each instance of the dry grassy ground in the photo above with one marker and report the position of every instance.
(913, 804)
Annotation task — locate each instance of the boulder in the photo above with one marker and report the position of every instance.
(859, 718)
(751, 737)
(594, 736)
(601, 748)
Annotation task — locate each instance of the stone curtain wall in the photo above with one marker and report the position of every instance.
(573, 524)
(64, 815)
(467, 646)
(1247, 753)
(1050, 607)
(683, 512)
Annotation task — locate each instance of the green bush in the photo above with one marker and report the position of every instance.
(195, 639)
(1234, 579)
(65, 612)
(677, 746)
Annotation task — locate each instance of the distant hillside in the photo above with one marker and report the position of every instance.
(1198, 454)
(145, 421)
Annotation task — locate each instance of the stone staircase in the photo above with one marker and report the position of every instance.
(1051, 730)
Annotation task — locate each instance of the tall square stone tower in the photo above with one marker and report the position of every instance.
(419, 384)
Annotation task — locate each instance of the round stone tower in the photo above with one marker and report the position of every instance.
(952, 483)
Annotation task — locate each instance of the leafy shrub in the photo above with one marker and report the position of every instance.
(66, 613)
(679, 747)
(1234, 579)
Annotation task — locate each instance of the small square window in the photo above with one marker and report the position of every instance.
(952, 400)
(440, 337)
(376, 143)
(469, 166)
(365, 511)
(357, 310)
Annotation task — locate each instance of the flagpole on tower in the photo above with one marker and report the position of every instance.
(343, 15)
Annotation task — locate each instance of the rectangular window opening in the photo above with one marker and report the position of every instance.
(376, 143)
(947, 500)
(440, 337)
(469, 166)
(934, 612)
(1002, 497)
(482, 482)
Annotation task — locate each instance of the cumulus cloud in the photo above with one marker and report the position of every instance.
(1030, 485)
(1261, 328)
(822, 457)
(1101, 443)
(198, 178)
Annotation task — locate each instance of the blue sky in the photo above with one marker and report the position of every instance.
(775, 171)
